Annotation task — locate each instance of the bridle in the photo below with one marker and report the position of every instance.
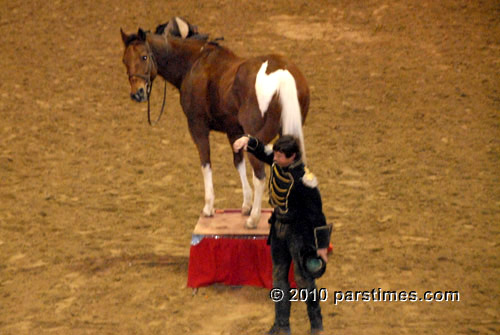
(149, 84)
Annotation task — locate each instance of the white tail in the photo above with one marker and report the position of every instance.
(281, 82)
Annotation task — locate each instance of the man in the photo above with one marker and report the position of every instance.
(297, 223)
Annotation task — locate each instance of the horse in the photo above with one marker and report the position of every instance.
(264, 96)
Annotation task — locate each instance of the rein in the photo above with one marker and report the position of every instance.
(149, 83)
(150, 87)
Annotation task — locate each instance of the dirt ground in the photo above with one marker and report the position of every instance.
(97, 207)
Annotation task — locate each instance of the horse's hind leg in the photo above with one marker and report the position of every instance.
(265, 130)
(239, 164)
(246, 207)
(259, 183)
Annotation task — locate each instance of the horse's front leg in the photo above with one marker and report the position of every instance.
(208, 209)
(201, 139)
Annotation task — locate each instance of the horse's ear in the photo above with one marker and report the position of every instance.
(124, 37)
(141, 34)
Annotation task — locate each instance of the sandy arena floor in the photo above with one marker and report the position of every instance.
(97, 208)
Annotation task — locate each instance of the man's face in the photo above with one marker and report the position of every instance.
(281, 160)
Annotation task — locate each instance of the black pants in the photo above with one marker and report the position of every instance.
(285, 248)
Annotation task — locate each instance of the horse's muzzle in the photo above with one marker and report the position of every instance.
(139, 96)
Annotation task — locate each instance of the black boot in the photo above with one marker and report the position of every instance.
(279, 330)
(314, 313)
(317, 331)
(282, 316)
(281, 324)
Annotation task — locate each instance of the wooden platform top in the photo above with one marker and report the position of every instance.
(231, 222)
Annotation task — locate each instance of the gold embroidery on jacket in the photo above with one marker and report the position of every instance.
(280, 177)
(276, 200)
(280, 185)
(277, 188)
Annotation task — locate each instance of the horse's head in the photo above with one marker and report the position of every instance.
(140, 63)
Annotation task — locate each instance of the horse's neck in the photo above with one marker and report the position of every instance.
(174, 57)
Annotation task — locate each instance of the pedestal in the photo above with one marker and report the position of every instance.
(224, 251)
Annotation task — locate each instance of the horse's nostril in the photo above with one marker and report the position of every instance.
(141, 91)
(135, 97)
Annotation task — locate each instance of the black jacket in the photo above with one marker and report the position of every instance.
(294, 195)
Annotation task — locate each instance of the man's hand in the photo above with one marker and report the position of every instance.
(240, 143)
(323, 253)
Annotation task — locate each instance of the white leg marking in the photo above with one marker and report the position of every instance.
(259, 187)
(247, 190)
(208, 210)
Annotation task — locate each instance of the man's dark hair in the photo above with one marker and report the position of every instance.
(288, 145)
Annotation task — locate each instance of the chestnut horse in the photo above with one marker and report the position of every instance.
(263, 96)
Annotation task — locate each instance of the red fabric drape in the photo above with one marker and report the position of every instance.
(231, 261)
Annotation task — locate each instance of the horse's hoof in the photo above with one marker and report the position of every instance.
(245, 210)
(250, 224)
(208, 212)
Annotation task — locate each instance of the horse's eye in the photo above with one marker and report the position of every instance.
(144, 57)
